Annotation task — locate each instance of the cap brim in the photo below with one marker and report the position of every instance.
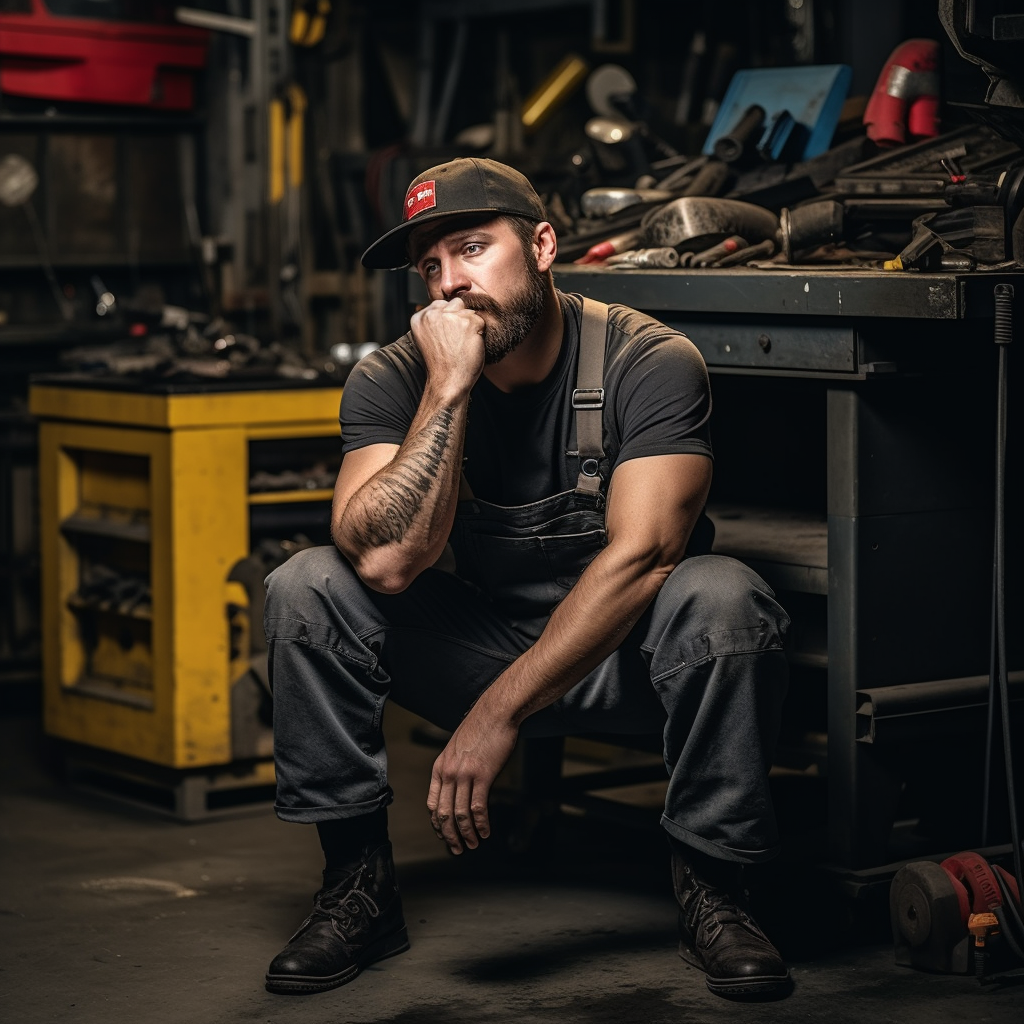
(390, 251)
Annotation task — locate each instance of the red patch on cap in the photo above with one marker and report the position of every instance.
(419, 198)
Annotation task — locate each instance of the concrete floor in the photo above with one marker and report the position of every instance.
(113, 915)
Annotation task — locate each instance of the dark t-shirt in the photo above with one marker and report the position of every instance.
(657, 402)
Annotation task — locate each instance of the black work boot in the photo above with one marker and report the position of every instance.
(355, 922)
(718, 935)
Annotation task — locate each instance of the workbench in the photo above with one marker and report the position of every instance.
(854, 434)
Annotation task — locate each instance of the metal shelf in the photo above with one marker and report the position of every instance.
(283, 497)
(787, 548)
(97, 526)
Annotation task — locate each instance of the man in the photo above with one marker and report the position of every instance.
(521, 549)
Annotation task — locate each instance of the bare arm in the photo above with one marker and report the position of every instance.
(653, 504)
(394, 506)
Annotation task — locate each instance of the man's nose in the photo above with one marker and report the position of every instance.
(453, 279)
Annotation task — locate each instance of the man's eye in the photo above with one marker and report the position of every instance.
(473, 247)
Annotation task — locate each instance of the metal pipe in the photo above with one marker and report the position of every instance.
(892, 712)
(553, 91)
(216, 22)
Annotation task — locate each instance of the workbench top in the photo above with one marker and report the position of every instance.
(794, 291)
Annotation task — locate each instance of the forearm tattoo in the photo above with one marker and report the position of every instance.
(395, 499)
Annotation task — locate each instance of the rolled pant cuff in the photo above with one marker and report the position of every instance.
(311, 815)
(719, 850)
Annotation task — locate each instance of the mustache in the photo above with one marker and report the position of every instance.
(482, 304)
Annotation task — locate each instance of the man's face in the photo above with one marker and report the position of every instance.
(492, 271)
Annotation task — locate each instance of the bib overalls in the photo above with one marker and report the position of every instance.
(703, 667)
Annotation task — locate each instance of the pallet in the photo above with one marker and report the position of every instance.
(192, 794)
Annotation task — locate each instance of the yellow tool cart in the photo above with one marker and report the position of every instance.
(148, 501)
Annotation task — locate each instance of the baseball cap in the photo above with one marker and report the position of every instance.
(466, 185)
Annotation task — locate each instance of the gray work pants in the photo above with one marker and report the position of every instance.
(704, 667)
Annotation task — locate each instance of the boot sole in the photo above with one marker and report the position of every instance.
(755, 987)
(291, 984)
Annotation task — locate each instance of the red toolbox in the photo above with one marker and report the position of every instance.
(48, 54)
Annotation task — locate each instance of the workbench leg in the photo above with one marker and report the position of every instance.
(540, 784)
(909, 576)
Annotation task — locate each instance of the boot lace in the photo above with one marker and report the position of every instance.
(346, 911)
(715, 901)
(705, 903)
(342, 909)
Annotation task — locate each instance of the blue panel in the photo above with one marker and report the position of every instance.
(812, 96)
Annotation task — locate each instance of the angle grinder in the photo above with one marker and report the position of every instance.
(956, 917)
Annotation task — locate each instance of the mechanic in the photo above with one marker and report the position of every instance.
(521, 549)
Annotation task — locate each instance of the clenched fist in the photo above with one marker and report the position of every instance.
(450, 338)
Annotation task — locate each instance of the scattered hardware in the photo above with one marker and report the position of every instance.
(105, 589)
(662, 257)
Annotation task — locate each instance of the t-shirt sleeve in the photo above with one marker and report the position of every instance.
(663, 397)
(381, 396)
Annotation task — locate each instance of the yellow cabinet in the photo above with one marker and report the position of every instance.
(154, 491)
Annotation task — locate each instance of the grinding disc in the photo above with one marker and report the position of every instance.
(605, 82)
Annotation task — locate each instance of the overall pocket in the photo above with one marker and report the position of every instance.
(526, 559)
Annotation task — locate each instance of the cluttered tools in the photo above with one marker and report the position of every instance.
(774, 185)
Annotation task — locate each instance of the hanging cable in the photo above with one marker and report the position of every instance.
(1003, 335)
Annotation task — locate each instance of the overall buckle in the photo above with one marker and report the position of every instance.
(588, 398)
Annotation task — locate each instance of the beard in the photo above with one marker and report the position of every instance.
(512, 320)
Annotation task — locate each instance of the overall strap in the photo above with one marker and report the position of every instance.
(588, 396)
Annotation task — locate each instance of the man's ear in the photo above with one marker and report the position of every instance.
(545, 244)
